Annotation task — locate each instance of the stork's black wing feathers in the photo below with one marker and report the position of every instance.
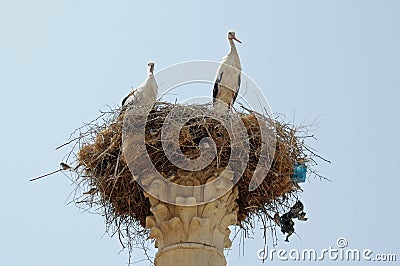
(237, 91)
(215, 90)
(125, 99)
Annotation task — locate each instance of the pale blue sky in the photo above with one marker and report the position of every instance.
(62, 61)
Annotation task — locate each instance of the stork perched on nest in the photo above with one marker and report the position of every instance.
(227, 82)
(146, 92)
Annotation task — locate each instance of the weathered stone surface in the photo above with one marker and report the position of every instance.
(192, 235)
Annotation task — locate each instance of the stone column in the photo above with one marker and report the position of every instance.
(192, 235)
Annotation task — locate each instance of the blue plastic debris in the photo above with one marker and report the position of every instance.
(299, 173)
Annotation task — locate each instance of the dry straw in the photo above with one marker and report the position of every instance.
(106, 185)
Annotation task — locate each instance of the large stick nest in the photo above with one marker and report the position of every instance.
(103, 171)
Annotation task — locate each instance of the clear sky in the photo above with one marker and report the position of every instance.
(62, 61)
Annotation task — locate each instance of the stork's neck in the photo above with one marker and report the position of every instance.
(233, 47)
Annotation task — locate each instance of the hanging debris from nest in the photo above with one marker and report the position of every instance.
(285, 221)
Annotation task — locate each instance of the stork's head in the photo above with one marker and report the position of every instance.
(151, 66)
(232, 36)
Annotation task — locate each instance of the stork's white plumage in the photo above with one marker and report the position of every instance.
(146, 93)
(227, 81)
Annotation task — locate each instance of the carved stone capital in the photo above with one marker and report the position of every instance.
(183, 233)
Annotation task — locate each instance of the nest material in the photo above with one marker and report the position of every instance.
(111, 184)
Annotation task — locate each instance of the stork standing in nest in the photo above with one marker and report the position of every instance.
(227, 82)
(145, 93)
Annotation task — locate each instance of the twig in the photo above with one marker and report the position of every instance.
(39, 177)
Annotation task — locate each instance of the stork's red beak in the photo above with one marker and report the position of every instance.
(236, 39)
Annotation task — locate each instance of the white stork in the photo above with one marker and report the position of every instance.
(227, 82)
(146, 92)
